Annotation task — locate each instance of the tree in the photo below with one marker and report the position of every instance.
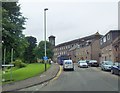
(12, 25)
(29, 55)
(40, 52)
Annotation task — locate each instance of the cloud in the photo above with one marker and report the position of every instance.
(68, 21)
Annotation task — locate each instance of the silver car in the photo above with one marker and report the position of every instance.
(82, 63)
(106, 65)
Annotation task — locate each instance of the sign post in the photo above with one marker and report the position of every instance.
(45, 59)
(10, 65)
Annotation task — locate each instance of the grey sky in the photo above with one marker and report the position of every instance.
(69, 20)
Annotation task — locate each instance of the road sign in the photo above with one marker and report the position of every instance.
(9, 65)
(45, 58)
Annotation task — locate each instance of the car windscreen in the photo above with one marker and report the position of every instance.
(108, 63)
(116, 64)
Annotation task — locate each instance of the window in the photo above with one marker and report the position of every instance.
(116, 48)
(104, 39)
(108, 37)
(101, 41)
(66, 47)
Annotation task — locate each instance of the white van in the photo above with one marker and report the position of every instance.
(68, 64)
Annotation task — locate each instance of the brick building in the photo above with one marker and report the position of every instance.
(89, 50)
(69, 48)
(116, 49)
(107, 45)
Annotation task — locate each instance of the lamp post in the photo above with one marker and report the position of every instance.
(45, 33)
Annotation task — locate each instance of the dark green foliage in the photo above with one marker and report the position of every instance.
(29, 55)
(40, 52)
(12, 25)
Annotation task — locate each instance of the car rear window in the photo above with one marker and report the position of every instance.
(93, 61)
(67, 62)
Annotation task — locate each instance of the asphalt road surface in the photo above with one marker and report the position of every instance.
(81, 79)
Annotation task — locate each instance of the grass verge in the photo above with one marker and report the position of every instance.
(30, 70)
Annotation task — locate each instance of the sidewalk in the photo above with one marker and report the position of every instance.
(46, 76)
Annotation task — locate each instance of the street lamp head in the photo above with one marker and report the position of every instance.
(45, 9)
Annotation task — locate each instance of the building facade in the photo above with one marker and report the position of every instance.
(107, 45)
(69, 48)
(116, 49)
(89, 50)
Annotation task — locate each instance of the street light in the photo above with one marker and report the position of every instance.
(45, 33)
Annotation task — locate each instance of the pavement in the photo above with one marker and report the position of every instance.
(50, 74)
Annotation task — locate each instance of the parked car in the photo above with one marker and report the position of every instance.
(87, 61)
(82, 63)
(106, 65)
(68, 65)
(116, 68)
(93, 63)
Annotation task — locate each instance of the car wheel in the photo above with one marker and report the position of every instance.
(112, 72)
(103, 69)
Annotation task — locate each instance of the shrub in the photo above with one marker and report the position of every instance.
(18, 63)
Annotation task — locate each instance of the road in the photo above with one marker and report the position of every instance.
(82, 79)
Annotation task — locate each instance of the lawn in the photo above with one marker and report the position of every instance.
(23, 73)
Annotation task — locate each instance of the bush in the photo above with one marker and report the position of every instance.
(18, 63)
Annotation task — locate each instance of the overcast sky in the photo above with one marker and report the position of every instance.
(69, 20)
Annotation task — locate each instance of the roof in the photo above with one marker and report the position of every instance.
(79, 40)
(73, 48)
(113, 31)
(51, 36)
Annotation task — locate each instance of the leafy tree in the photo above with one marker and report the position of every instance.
(29, 55)
(12, 25)
(40, 52)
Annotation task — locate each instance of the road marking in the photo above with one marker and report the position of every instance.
(60, 71)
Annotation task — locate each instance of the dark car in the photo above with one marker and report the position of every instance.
(116, 68)
(93, 63)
